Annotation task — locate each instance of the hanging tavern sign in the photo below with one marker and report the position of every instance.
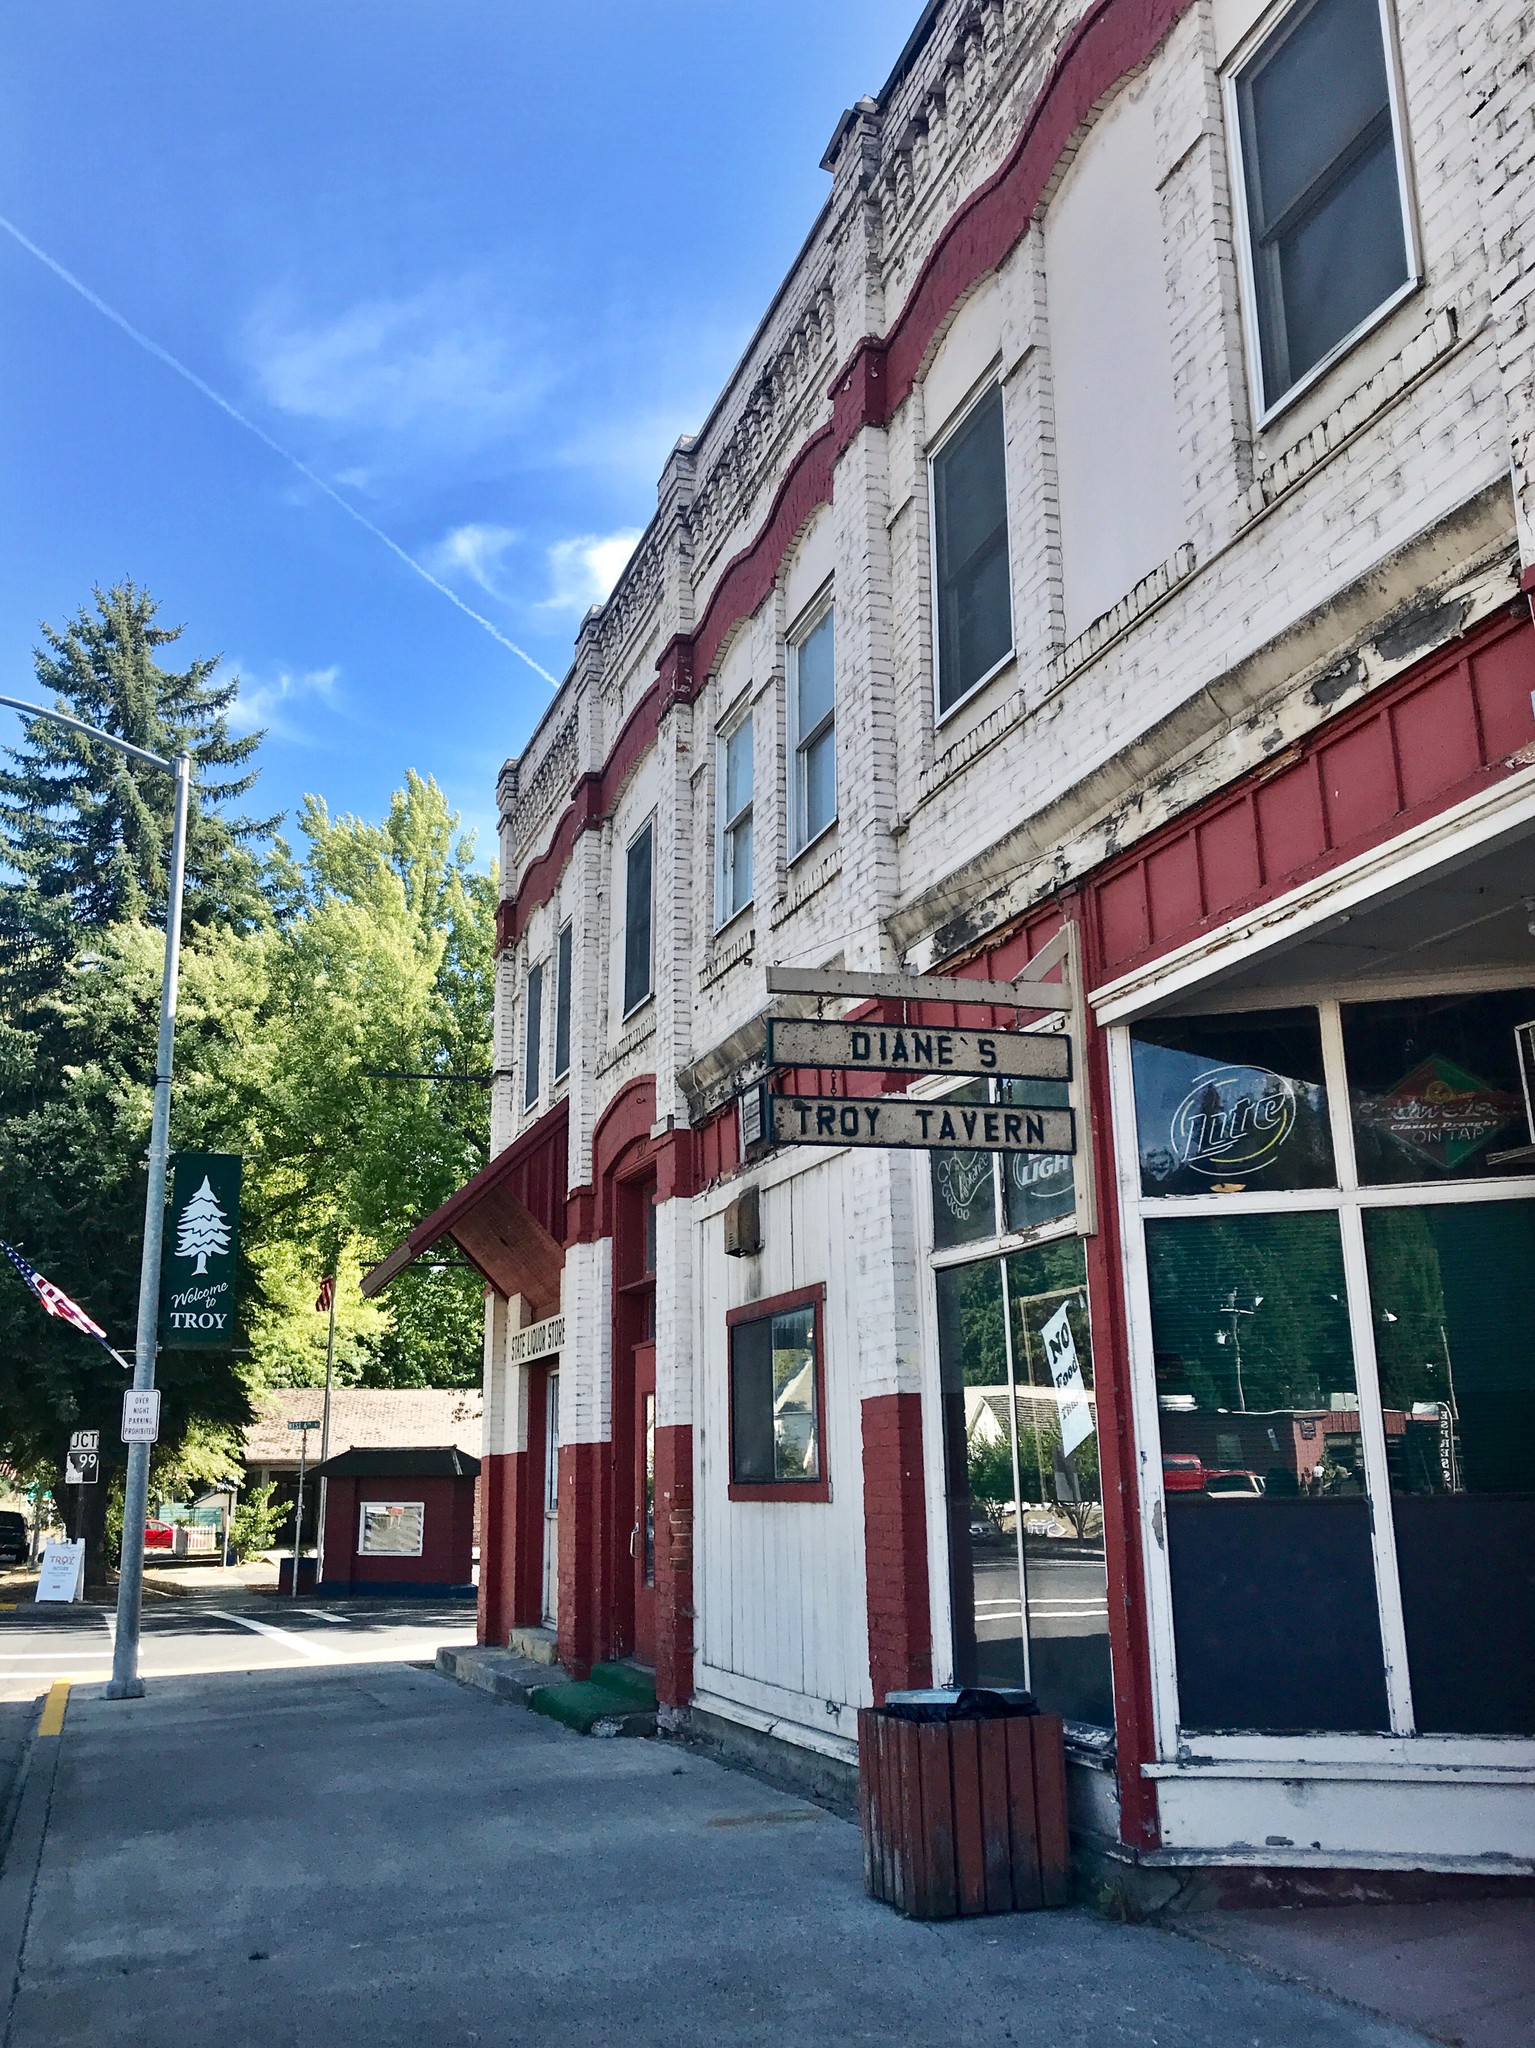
(929, 1126)
(202, 1250)
(917, 1049)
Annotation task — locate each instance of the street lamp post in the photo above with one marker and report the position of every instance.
(125, 1683)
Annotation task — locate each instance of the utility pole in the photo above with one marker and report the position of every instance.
(330, 1366)
(125, 1683)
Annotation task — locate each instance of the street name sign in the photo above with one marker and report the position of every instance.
(303, 1425)
(917, 1049)
(928, 1126)
(141, 1415)
(63, 1566)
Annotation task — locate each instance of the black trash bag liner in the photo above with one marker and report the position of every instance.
(962, 1703)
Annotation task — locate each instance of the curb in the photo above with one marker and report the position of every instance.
(23, 1855)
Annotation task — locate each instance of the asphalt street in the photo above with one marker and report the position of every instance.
(234, 1633)
(362, 1852)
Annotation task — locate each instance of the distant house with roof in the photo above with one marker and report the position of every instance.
(361, 1418)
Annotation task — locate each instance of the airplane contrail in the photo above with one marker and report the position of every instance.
(163, 355)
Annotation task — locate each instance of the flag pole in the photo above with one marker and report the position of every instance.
(330, 1362)
(126, 1683)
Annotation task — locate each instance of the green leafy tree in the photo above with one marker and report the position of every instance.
(256, 1520)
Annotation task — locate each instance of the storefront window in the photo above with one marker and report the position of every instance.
(1434, 1086)
(1452, 1295)
(1229, 1105)
(1035, 1187)
(1026, 1522)
(1263, 1473)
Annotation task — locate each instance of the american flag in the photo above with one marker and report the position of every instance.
(53, 1299)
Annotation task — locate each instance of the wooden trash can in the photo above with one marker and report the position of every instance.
(963, 1817)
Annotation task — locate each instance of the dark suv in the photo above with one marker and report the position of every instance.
(13, 1538)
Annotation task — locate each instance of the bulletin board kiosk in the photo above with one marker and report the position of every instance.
(399, 1522)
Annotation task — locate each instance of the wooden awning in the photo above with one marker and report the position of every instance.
(492, 1222)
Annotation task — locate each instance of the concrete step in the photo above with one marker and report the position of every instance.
(593, 1709)
(499, 1672)
(632, 1680)
(538, 1645)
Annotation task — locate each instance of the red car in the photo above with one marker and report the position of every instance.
(1182, 1473)
(159, 1536)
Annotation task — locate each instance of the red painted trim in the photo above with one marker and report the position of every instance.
(1112, 39)
(802, 1490)
(1527, 577)
(674, 1565)
(895, 1544)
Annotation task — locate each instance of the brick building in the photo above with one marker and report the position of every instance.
(1110, 549)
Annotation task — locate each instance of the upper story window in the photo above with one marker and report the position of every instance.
(1324, 185)
(533, 1036)
(563, 956)
(813, 730)
(973, 585)
(638, 890)
(734, 879)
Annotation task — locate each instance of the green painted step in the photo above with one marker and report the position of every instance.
(581, 1704)
(635, 1684)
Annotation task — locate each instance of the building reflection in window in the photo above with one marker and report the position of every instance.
(1263, 1474)
(1026, 1520)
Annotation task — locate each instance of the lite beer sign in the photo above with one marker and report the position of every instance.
(197, 1297)
(926, 1126)
(917, 1049)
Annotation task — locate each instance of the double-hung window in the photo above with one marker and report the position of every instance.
(638, 889)
(734, 880)
(562, 971)
(813, 730)
(972, 581)
(1324, 185)
(533, 1036)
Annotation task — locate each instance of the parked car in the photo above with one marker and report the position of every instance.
(13, 1538)
(1182, 1473)
(159, 1536)
(1235, 1485)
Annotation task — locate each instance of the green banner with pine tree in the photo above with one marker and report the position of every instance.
(202, 1252)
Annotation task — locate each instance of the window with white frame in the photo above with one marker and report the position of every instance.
(533, 1036)
(972, 581)
(563, 961)
(734, 785)
(1324, 185)
(638, 904)
(1336, 1285)
(813, 729)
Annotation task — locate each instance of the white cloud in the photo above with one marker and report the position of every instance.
(475, 551)
(443, 362)
(584, 569)
(266, 703)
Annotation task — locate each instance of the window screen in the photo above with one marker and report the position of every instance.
(637, 918)
(975, 614)
(533, 1036)
(775, 1422)
(1324, 200)
(563, 960)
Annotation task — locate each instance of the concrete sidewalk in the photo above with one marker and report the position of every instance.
(377, 1856)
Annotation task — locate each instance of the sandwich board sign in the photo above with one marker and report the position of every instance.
(62, 1569)
(202, 1252)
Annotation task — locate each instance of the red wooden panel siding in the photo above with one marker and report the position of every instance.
(1435, 736)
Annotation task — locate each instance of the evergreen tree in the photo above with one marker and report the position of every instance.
(86, 830)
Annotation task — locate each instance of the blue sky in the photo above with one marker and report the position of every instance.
(474, 263)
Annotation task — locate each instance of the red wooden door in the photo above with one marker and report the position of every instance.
(642, 1542)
